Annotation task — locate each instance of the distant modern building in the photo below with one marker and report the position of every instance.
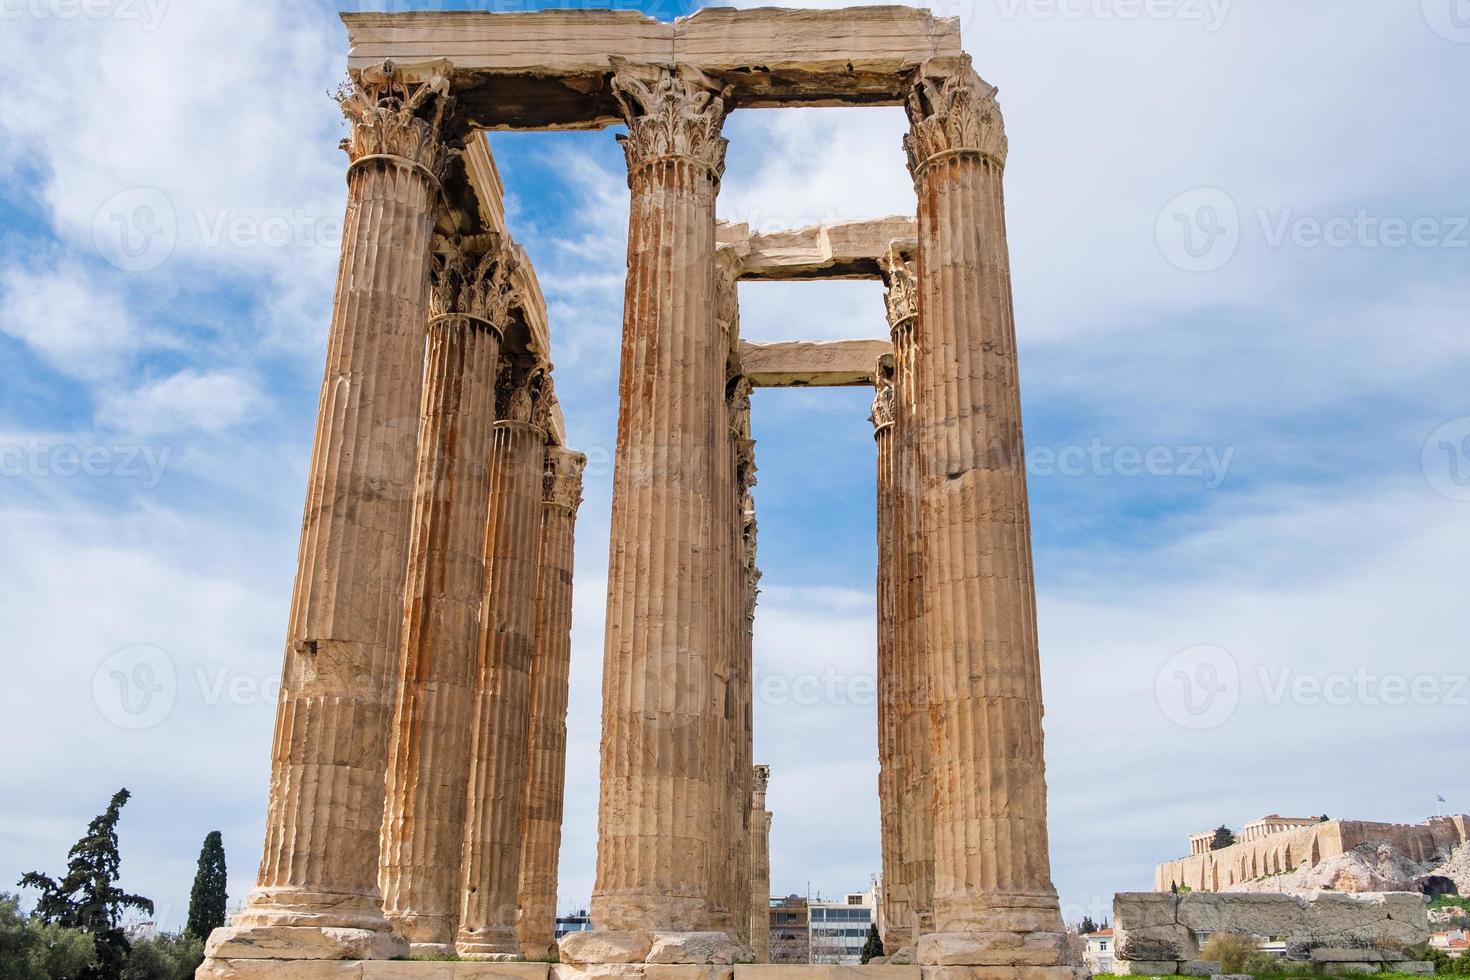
(838, 929)
(1098, 956)
(578, 921)
(1454, 943)
(790, 937)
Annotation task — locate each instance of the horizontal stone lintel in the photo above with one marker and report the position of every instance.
(550, 69)
(812, 364)
(842, 250)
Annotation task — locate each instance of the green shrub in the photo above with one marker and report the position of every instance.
(1230, 951)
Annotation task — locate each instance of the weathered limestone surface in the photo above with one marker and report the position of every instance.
(812, 364)
(550, 675)
(492, 842)
(654, 874)
(843, 250)
(317, 890)
(915, 787)
(429, 754)
(370, 970)
(549, 69)
(992, 880)
(1151, 928)
(760, 868)
(817, 971)
(897, 931)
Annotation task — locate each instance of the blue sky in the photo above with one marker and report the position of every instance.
(1224, 630)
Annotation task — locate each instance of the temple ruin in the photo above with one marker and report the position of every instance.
(417, 769)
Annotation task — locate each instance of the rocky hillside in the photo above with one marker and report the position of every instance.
(1372, 867)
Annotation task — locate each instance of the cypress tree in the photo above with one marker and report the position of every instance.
(87, 897)
(874, 946)
(207, 899)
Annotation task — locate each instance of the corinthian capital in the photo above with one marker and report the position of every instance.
(727, 295)
(562, 486)
(521, 389)
(396, 116)
(903, 289)
(672, 111)
(951, 113)
(883, 408)
(474, 280)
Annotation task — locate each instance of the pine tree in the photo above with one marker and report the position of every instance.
(1224, 837)
(208, 898)
(88, 898)
(874, 946)
(1088, 927)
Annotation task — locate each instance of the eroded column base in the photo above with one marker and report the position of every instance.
(267, 942)
(607, 947)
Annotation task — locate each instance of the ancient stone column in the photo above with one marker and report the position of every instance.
(893, 692)
(994, 903)
(317, 890)
(550, 673)
(659, 802)
(491, 860)
(742, 673)
(760, 866)
(915, 852)
(429, 754)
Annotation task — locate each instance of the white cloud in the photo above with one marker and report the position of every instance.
(189, 399)
(70, 319)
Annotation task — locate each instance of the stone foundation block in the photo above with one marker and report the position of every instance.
(641, 971)
(1324, 954)
(600, 946)
(1144, 910)
(799, 971)
(260, 969)
(303, 943)
(1167, 942)
(1201, 968)
(1350, 969)
(1415, 968)
(992, 949)
(714, 948)
(1146, 968)
(1004, 973)
(1253, 914)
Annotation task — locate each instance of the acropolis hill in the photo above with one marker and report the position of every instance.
(1275, 845)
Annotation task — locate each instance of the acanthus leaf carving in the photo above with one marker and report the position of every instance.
(562, 484)
(955, 113)
(474, 279)
(902, 294)
(519, 386)
(883, 396)
(394, 116)
(671, 110)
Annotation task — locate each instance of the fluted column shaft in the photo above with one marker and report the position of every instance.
(319, 869)
(659, 802)
(913, 785)
(496, 800)
(892, 678)
(423, 824)
(550, 673)
(991, 868)
(760, 867)
(429, 752)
